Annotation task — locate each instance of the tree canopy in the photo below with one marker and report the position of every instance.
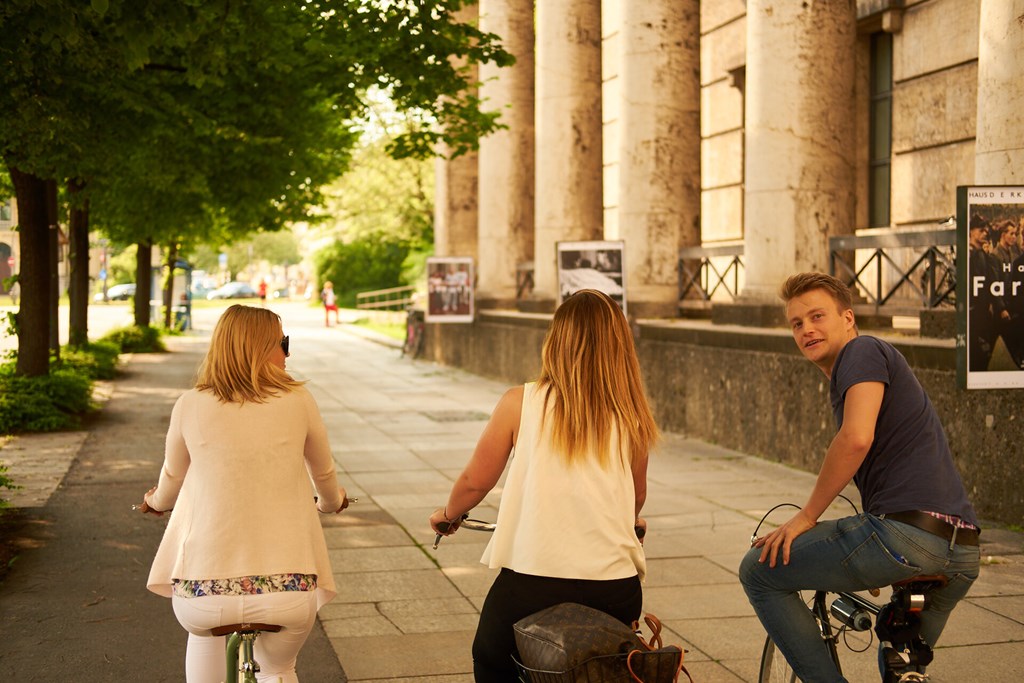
(183, 121)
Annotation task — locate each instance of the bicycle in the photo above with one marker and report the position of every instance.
(240, 652)
(414, 328)
(242, 640)
(596, 669)
(896, 623)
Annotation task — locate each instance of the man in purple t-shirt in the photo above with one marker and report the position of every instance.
(917, 519)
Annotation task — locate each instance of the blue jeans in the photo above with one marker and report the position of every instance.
(850, 554)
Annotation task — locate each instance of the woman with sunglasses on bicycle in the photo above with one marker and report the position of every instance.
(565, 528)
(244, 543)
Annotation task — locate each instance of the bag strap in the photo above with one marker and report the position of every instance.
(654, 624)
(675, 677)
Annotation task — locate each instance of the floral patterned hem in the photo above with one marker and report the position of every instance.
(244, 585)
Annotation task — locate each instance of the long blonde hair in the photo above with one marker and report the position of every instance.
(237, 366)
(590, 371)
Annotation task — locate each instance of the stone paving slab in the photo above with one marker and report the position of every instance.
(405, 657)
(38, 465)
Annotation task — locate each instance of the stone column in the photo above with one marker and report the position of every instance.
(506, 157)
(799, 177)
(455, 188)
(455, 206)
(568, 126)
(999, 151)
(659, 180)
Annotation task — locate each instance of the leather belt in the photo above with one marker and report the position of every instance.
(934, 525)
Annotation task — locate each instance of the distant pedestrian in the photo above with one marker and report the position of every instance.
(244, 543)
(330, 303)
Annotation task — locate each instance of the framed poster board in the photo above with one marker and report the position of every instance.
(592, 265)
(449, 289)
(990, 287)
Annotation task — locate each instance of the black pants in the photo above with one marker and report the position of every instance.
(514, 596)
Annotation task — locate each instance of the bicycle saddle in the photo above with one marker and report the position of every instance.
(246, 627)
(928, 581)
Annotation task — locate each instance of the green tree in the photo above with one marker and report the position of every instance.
(371, 261)
(182, 119)
(381, 194)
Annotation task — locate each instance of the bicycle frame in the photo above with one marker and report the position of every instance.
(896, 655)
(241, 642)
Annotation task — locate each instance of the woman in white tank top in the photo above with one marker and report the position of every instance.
(580, 437)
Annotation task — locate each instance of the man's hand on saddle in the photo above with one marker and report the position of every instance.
(782, 538)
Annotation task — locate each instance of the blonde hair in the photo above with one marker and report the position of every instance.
(237, 366)
(801, 283)
(590, 371)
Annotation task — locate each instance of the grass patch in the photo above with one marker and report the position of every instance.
(393, 330)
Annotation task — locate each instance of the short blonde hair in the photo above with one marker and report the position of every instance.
(590, 371)
(802, 283)
(237, 366)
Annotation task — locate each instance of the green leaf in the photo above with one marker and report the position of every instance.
(100, 6)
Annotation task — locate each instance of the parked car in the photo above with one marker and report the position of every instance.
(117, 293)
(201, 290)
(233, 290)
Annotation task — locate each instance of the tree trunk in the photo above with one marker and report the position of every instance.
(143, 282)
(33, 318)
(78, 287)
(172, 258)
(54, 264)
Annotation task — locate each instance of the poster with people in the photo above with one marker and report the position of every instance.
(592, 265)
(449, 289)
(991, 281)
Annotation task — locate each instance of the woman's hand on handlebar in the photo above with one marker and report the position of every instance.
(640, 527)
(442, 525)
(345, 502)
(144, 506)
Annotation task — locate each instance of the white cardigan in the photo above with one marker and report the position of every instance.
(238, 479)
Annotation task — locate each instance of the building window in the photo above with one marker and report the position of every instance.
(5, 211)
(880, 155)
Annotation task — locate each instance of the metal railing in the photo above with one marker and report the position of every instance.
(391, 299)
(881, 278)
(704, 271)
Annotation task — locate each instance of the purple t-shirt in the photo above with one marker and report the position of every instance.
(909, 465)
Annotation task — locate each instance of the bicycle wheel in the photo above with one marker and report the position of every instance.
(774, 667)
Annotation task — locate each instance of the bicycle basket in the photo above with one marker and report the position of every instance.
(651, 667)
(654, 667)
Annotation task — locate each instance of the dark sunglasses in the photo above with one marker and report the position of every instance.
(284, 345)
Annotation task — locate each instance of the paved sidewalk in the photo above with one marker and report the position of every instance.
(401, 431)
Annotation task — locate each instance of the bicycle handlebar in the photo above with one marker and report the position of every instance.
(480, 525)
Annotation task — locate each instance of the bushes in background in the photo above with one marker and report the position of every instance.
(58, 400)
(136, 339)
(45, 403)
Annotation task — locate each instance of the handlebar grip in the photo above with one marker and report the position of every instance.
(640, 531)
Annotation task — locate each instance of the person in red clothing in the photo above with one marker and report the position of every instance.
(330, 303)
(262, 290)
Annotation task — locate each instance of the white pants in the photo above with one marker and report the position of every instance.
(275, 652)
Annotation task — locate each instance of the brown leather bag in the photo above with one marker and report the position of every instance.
(572, 643)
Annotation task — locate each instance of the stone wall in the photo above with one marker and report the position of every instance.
(749, 389)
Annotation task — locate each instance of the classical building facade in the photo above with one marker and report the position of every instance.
(769, 125)
(759, 129)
